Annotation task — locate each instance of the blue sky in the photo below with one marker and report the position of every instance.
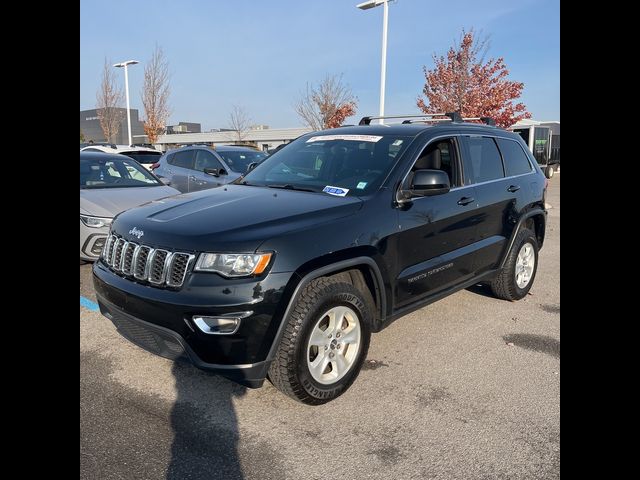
(261, 54)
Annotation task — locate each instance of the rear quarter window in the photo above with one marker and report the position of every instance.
(515, 159)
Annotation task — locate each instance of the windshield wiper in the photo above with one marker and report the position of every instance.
(288, 186)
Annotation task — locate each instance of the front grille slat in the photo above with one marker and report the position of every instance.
(140, 268)
(157, 267)
(108, 249)
(117, 254)
(127, 257)
(178, 269)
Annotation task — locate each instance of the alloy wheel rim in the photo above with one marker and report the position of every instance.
(334, 345)
(525, 264)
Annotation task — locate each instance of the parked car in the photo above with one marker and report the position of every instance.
(198, 167)
(286, 272)
(145, 156)
(109, 184)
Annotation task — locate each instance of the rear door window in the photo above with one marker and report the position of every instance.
(182, 159)
(482, 161)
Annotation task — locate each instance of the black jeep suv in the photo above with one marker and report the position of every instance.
(287, 271)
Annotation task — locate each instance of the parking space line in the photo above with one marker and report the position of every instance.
(86, 303)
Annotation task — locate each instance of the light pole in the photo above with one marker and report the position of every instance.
(126, 91)
(383, 69)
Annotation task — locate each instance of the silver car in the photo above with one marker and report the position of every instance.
(198, 167)
(110, 184)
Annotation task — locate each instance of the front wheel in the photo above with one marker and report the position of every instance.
(325, 342)
(516, 277)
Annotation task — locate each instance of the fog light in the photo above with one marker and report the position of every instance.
(226, 324)
(97, 246)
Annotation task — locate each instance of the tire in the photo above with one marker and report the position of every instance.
(291, 371)
(507, 285)
(549, 171)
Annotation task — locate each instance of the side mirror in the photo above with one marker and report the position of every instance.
(251, 166)
(426, 183)
(165, 180)
(216, 172)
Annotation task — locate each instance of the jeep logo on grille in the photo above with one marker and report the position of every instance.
(136, 233)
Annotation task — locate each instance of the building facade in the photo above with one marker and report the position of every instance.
(184, 127)
(264, 139)
(90, 127)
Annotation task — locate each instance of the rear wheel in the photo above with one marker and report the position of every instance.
(516, 277)
(325, 342)
(549, 171)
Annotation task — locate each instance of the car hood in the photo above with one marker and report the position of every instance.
(229, 218)
(108, 202)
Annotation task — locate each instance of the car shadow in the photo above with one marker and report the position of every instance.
(205, 426)
(481, 289)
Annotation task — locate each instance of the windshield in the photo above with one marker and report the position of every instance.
(239, 161)
(110, 173)
(143, 157)
(334, 164)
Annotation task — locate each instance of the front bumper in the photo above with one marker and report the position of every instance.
(161, 320)
(168, 344)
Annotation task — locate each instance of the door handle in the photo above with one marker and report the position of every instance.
(192, 177)
(465, 200)
(513, 188)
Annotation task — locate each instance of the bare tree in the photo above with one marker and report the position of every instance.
(239, 122)
(109, 103)
(155, 95)
(327, 105)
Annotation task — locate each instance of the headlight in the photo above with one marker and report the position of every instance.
(95, 222)
(233, 264)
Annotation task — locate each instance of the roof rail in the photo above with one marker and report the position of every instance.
(367, 120)
(452, 117)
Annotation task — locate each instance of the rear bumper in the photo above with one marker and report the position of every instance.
(169, 344)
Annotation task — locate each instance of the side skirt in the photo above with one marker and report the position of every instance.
(437, 296)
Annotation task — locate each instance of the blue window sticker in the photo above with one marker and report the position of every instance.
(340, 192)
(361, 185)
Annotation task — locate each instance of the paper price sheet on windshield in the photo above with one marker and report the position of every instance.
(355, 138)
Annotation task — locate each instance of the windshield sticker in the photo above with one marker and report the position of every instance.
(361, 185)
(355, 138)
(340, 192)
(397, 143)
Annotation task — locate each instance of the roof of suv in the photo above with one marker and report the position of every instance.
(405, 128)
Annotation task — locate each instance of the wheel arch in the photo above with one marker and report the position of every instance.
(361, 271)
(537, 216)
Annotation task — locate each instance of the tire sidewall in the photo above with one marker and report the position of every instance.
(327, 301)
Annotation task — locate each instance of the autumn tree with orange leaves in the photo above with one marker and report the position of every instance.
(327, 105)
(464, 82)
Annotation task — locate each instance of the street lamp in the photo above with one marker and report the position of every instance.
(383, 69)
(126, 91)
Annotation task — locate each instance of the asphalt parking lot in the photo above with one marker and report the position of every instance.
(466, 388)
